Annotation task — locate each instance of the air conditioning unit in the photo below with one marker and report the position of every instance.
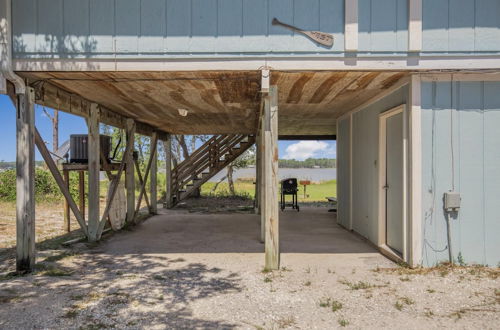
(78, 149)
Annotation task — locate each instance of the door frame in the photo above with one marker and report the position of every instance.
(382, 177)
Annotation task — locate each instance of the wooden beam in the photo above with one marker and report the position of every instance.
(153, 208)
(130, 172)
(55, 97)
(81, 192)
(262, 174)
(154, 142)
(25, 182)
(168, 172)
(94, 155)
(67, 215)
(42, 148)
(271, 210)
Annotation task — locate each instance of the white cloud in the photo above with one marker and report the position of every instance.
(306, 149)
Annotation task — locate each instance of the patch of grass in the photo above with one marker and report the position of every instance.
(159, 277)
(336, 305)
(307, 283)
(266, 271)
(431, 290)
(286, 322)
(405, 279)
(71, 314)
(343, 322)
(268, 280)
(429, 313)
(403, 301)
(361, 285)
(325, 302)
(286, 269)
(61, 256)
(55, 272)
(9, 276)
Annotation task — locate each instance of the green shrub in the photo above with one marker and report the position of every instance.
(46, 188)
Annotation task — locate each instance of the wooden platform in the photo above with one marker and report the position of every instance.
(224, 102)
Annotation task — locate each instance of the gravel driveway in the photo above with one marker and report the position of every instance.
(189, 270)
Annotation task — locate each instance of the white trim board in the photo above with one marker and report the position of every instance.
(351, 26)
(414, 63)
(414, 25)
(415, 149)
(382, 177)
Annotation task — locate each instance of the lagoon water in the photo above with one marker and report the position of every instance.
(313, 174)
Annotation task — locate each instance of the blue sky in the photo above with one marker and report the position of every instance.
(70, 124)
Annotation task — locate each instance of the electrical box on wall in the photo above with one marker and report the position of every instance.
(452, 201)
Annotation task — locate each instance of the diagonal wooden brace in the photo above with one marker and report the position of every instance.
(114, 187)
(59, 180)
(154, 142)
(141, 181)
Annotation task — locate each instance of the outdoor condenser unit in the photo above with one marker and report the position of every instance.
(78, 150)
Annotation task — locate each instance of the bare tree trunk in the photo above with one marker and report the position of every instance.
(182, 143)
(214, 188)
(230, 179)
(55, 131)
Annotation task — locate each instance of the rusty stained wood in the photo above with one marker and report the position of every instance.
(218, 102)
(25, 182)
(223, 102)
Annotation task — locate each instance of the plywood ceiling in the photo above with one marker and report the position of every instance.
(225, 102)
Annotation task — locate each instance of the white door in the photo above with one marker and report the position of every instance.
(394, 182)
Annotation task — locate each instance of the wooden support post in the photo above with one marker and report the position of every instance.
(42, 148)
(81, 192)
(271, 210)
(257, 174)
(94, 155)
(168, 169)
(67, 215)
(262, 181)
(130, 172)
(153, 208)
(25, 182)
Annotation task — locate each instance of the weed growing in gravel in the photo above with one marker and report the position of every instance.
(402, 301)
(405, 279)
(307, 283)
(431, 290)
(266, 271)
(61, 256)
(358, 285)
(325, 302)
(267, 280)
(159, 277)
(343, 322)
(285, 269)
(286, 322)
(429, 313)
(336, 305)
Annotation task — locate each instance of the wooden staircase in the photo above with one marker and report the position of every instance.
(214, 155)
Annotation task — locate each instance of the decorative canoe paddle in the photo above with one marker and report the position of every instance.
(322, 38)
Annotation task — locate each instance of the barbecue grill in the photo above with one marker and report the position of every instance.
(289, 187)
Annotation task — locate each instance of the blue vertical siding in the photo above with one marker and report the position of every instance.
(344, 172)
(461, 25)
(59, 28)
(460, 146)
(383, 25)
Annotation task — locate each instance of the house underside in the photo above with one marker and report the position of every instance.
(414, 109)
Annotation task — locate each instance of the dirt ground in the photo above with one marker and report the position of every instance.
(197, 270)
